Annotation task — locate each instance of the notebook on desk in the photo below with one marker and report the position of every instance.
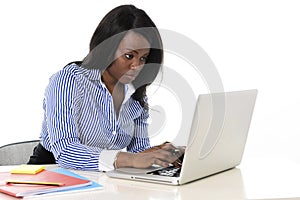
(36, 184)
(216, 143)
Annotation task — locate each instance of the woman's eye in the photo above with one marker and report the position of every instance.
(128, 56)
(143, 59)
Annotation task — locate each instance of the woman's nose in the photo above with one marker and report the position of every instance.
(135, 64)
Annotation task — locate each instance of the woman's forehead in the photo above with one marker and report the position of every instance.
(134, 41)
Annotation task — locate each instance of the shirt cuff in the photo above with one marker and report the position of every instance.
(107, 159)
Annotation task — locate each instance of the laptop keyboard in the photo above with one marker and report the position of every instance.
(168, 171)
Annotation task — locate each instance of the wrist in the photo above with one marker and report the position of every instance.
(115, 164)
(124, 159)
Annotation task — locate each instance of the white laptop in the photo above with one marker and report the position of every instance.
(216, 141)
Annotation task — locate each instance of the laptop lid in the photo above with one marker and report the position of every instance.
(216, 139)
(218, 134)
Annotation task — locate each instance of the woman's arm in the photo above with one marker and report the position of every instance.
(140, 154)
(62, 101)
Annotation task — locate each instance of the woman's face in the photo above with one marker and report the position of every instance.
(130, 57)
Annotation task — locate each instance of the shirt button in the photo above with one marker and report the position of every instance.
(114, 132)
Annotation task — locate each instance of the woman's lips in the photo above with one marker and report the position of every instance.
(131, 75)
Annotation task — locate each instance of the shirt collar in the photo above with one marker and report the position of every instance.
(94, 74)
(129, 89)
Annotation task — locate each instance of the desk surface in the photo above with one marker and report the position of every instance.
(257, 179)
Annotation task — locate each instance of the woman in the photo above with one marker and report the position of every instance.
(97, 107)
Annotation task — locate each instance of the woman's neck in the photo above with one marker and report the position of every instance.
(116, 90)
(111, 83)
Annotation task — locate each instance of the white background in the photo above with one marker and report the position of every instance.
(253, 44)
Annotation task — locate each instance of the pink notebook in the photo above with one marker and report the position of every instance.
(21, 190)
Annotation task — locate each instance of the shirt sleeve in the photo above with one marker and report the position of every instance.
(62, 99)
(140, 140)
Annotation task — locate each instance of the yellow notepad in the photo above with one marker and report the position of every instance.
(28, 169)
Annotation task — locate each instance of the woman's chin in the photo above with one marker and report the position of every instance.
(127, 79)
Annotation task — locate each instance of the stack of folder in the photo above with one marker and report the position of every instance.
(27, 180)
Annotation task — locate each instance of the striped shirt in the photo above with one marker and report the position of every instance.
(80, 125)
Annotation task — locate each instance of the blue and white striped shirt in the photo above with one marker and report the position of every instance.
(80, 126)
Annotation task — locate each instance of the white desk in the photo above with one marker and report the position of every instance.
(257, 179)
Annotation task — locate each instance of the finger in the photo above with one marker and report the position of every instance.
(177, 163)
(165, 156)
(161, 163)
(150, 150)
(168, 147)
(182, 148)
(176, 151)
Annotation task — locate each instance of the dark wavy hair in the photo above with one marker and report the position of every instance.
(109, 33)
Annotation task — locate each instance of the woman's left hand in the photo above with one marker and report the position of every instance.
(167, 146)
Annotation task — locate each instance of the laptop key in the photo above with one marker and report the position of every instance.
(168, 171)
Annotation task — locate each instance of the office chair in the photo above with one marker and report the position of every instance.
(17, 153)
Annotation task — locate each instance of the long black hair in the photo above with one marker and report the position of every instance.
(109, 34)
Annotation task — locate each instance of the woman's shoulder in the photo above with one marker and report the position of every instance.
(69, 71)
(66, 75)
(71, 68)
